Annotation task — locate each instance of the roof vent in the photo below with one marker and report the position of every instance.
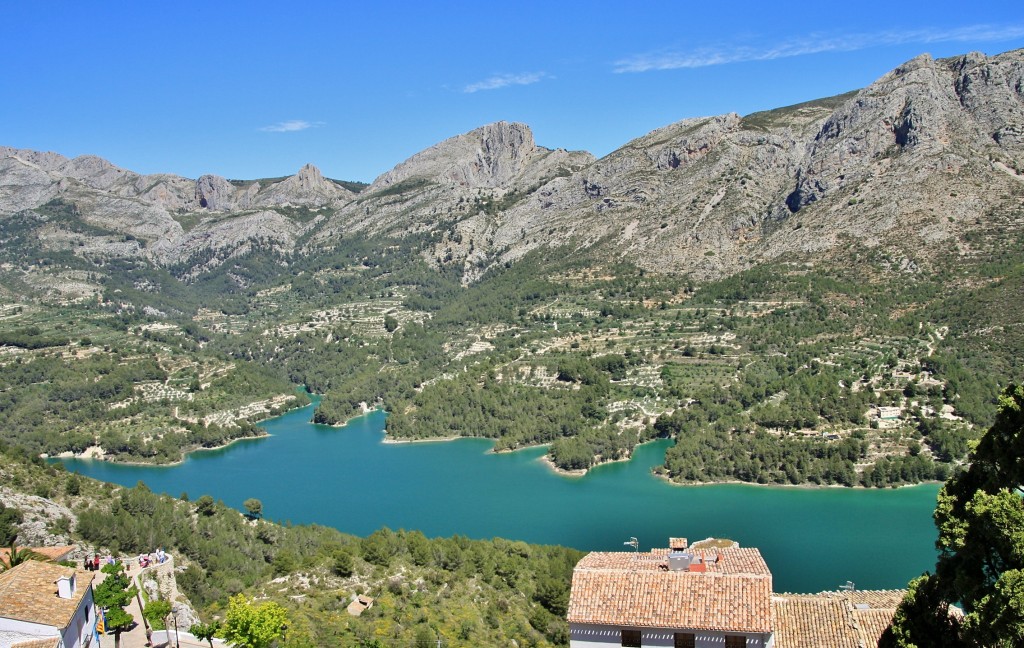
(680, 561)
(66, 586)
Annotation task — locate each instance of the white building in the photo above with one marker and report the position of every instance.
(45, 605)
(719, 598)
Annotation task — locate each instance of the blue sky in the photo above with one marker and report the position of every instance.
(256, 89)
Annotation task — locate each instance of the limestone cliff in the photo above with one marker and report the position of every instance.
(915, 160)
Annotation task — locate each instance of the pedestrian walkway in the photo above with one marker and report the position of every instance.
(136, 636)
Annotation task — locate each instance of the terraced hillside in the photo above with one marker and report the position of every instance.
(820, 293)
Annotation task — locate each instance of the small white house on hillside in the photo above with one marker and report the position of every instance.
(45, 605)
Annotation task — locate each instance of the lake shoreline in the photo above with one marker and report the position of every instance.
(353, 482)
(97, 453)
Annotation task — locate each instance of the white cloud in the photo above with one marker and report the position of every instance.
(813, 44)
(503, 80)
(290, 126)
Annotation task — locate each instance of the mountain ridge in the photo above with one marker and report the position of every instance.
(928, 146)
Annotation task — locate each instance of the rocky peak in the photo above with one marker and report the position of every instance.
(309, 177)
(43, 160)
(307, 188)
(214, 193)
(491, 156)
(908, 117)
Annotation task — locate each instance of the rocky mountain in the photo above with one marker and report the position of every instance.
(929, 151)
(161, 218)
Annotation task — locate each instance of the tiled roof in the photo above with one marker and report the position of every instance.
(813, 622)
(28, 592)
(50, 553)
(636, 590)
(882, 599)
(833, 619)
(871, 624)
(50, 642)
(729, 561)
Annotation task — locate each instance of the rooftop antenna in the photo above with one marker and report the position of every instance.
(849, 587)
(633, 542)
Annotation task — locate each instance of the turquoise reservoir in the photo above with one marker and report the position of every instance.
(813, 539)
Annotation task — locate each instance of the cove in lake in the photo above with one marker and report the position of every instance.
(813, 539)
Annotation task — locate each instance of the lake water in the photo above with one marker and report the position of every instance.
(813, 539)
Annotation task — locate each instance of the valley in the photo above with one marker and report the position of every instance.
(719, 282)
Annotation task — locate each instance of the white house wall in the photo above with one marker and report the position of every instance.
(80, 630)
(13, 631)
(599, 636)
(76, 635)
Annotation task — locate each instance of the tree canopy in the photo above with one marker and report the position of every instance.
(980, 518)
(253, 626)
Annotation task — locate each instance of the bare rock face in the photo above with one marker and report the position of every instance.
(490, 156)
(215, 193)
(137, 216)
(40, 515)
(913, 109)
(24, 183)
(229, 237)
(928, 150)
(465, 175)
(307, 188)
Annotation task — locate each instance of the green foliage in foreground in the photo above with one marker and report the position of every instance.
(10, 518)
(467, 592)
(114, 594)
(980, 517)
(253, 625)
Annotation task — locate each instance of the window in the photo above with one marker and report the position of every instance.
(685, 640)
(631, 638)
(735, 641)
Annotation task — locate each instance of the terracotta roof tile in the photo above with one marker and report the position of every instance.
(720, 561)
(28, 592)
(813, 622)
(882, 599)
(833, 619)
(623, 588)
(51, 642)
(50, 553)
(872, 623)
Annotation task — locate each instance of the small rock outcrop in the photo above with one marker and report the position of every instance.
(307, 188)
(215, 193)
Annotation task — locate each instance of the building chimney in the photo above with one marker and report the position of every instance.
(677, 544)
(66, 586)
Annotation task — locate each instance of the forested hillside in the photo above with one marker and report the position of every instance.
(822, 293)
(462, 591)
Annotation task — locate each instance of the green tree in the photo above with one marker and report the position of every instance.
(253, 626)
(10, 518)
(205, 505)
(390, 324)
(205, 631)
(116, 621)
(253, 507)
(114, 593)
(73, 486)
(342, 563)
(980, 517)
(156, 612)
(17, 555)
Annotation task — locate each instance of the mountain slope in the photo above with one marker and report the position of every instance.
(921, 154)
